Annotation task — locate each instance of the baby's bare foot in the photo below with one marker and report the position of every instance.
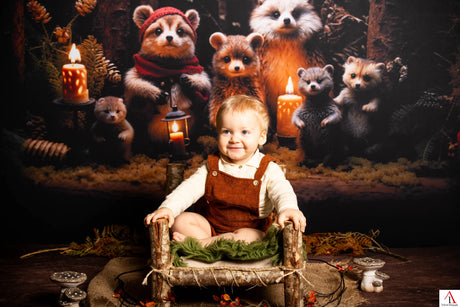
(178, 237)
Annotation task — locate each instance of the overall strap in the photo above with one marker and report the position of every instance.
(263, 166)
(213, 162)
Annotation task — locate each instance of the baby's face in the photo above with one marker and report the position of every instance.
(239, 135)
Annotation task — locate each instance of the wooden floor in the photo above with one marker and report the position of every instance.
(25, 282)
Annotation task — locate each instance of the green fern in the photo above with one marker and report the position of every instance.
(424, 123)
(92, 57)
(98, 67)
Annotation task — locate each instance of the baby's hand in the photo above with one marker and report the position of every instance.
(294, 215)
(158, 214)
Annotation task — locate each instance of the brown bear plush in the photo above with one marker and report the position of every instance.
(165, 68)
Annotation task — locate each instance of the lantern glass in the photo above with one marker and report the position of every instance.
(178, 125)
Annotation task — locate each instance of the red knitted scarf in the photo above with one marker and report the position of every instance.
(167, 69)
(163, 69)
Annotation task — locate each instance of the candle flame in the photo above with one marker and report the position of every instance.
(175, 127)
(290, 86)
(74, 54)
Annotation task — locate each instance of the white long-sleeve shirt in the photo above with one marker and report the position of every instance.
(275, 190)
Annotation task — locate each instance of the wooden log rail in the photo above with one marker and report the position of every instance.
(164, 275)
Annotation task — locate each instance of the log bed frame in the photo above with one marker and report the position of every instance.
(164, 276)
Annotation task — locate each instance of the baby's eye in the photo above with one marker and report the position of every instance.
(158, 31)
(353, 76)
(276, 14)
(227, 59)
(180, 32)
(245, 132)
(367, 78)
(225, 131)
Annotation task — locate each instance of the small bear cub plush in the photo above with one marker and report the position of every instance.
(165, 68)
(318, 116)
(364, 123)
(111, 132)
(236, 68)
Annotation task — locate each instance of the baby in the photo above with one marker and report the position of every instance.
(241, 185)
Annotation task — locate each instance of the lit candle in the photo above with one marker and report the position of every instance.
(74, 79)
(177, 140)
(287, 104)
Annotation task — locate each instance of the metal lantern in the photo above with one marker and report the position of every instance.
(177, 127)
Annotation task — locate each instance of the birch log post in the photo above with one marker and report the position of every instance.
(159, 245)
(293, 260)
(174, 176)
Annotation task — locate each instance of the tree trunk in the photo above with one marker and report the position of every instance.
(112, 26)
(384, 37)
(13, 58)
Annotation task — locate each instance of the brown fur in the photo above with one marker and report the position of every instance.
(236, 68)
(146, 98)
(112, 133)
(363, 124)
(287, 27)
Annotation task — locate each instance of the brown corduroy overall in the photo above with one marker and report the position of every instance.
(233, 203)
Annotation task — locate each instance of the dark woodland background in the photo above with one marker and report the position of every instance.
(424, 34)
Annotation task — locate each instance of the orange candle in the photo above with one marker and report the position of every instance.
(287, 104)
(177, 140)
(74, 80)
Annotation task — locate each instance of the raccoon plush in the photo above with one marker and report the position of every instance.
(236, 69)
(165, 68)
(318, 116)
(364, 122)
(111, 132)
(288, 28)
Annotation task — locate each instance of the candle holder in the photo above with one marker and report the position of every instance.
(177, 127)
(70, 123)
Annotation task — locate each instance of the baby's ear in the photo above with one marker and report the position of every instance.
(329, 69)
(301, 71)
(194, 18)
(217, 40)
(141, 14)
(255, 40)
(263, 138)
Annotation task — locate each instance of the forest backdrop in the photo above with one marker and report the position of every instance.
(423, 34)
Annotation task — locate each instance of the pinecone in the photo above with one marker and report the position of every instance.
(62, 34)
(38, 12)
(36, 127)
(44, 151)
(113, 74)
(85, 7)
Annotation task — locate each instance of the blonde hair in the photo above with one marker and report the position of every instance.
(242, 104)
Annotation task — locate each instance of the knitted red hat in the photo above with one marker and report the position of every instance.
(160, 13)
